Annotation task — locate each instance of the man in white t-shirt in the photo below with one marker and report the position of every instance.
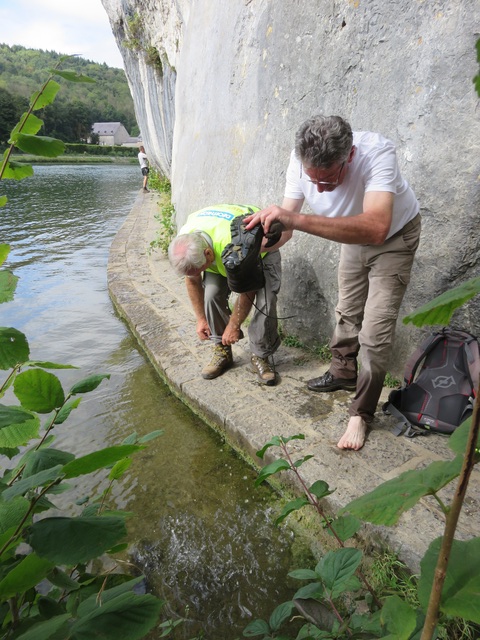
(143, 160)
(352, 183)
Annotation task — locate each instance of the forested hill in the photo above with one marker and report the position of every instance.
(77, 105)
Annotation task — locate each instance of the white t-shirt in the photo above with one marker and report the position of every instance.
(143, 160)
(374, 167)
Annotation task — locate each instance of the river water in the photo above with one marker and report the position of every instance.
(201, 533)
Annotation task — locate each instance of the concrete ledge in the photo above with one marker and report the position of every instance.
(154, 303)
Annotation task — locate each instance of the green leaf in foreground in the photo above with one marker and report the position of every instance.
(270, 469)
(119, 468)
(313, 590)
(4, 251)
(281, 614)
(91, 603)
(8, 284)
(45, 630)
(29, 572)
(151, 436)
(291, 506)
(3, 201)
(277, 441)
(46, 364)
(386, 503)
(88, 384)
(41, 459)
(256, 628)
(66, 410)
(39, 145)
(72, 76)
(17, 426)
(39, 390)
(12, 512)
(336, 569)
(17, 170)
(459, 438)
(461, 589)
(345, 527)
(440, 309)
(96, 614)
(320, 489)
(303, 574)
(399, 618)
(128, 616)
(28, 123)
(40, 99)
(82, 538)
(99, 459)
(40, 479)
(14, 347)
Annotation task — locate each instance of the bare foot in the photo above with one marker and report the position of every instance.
(354, 436)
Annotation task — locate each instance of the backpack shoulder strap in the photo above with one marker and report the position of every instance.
(472, 354)
(472, 351)
(420, 353)
(403, 425)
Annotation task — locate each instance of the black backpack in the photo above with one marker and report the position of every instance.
(440, 385)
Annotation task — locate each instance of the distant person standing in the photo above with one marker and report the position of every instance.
(143, 160)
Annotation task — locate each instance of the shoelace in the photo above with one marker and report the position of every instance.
(219, 354)
(262, 365)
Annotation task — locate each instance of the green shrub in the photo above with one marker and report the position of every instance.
(100, 150)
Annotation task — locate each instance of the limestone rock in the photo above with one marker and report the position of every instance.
(221, 87)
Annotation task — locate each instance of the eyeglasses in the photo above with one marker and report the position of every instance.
(327, 183)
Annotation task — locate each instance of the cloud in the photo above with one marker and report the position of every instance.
(64, 26)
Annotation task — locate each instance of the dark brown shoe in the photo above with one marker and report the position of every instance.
(327, 382)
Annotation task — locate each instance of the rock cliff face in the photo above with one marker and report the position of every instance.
(221, 87)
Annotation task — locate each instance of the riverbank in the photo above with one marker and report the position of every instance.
(154, 303)
(74, 159)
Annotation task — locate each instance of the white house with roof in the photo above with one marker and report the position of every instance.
(110, 133)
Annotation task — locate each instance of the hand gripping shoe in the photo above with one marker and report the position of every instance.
(274, 233)
(241, 258)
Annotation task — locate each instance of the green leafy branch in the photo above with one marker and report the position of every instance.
(73, 603)
(341, 528)
(58, 542)
(450, 568)
(24, 135)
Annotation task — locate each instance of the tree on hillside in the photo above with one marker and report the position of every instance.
(71, 116)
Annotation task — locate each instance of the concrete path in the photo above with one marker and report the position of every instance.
(154, 303)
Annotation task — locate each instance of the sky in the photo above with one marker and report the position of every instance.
(64, 26)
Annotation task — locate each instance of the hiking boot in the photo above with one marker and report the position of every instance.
(145, 190)
(241, 257)
(222, 359)
(264, 370)
(327, 382)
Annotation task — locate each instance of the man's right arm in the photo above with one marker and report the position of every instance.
(195, 293)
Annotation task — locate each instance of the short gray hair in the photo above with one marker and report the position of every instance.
(187, 251)
(322, 141)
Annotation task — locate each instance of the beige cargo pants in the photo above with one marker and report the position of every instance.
(372, 281)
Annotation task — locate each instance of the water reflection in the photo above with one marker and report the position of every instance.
(201, 533)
